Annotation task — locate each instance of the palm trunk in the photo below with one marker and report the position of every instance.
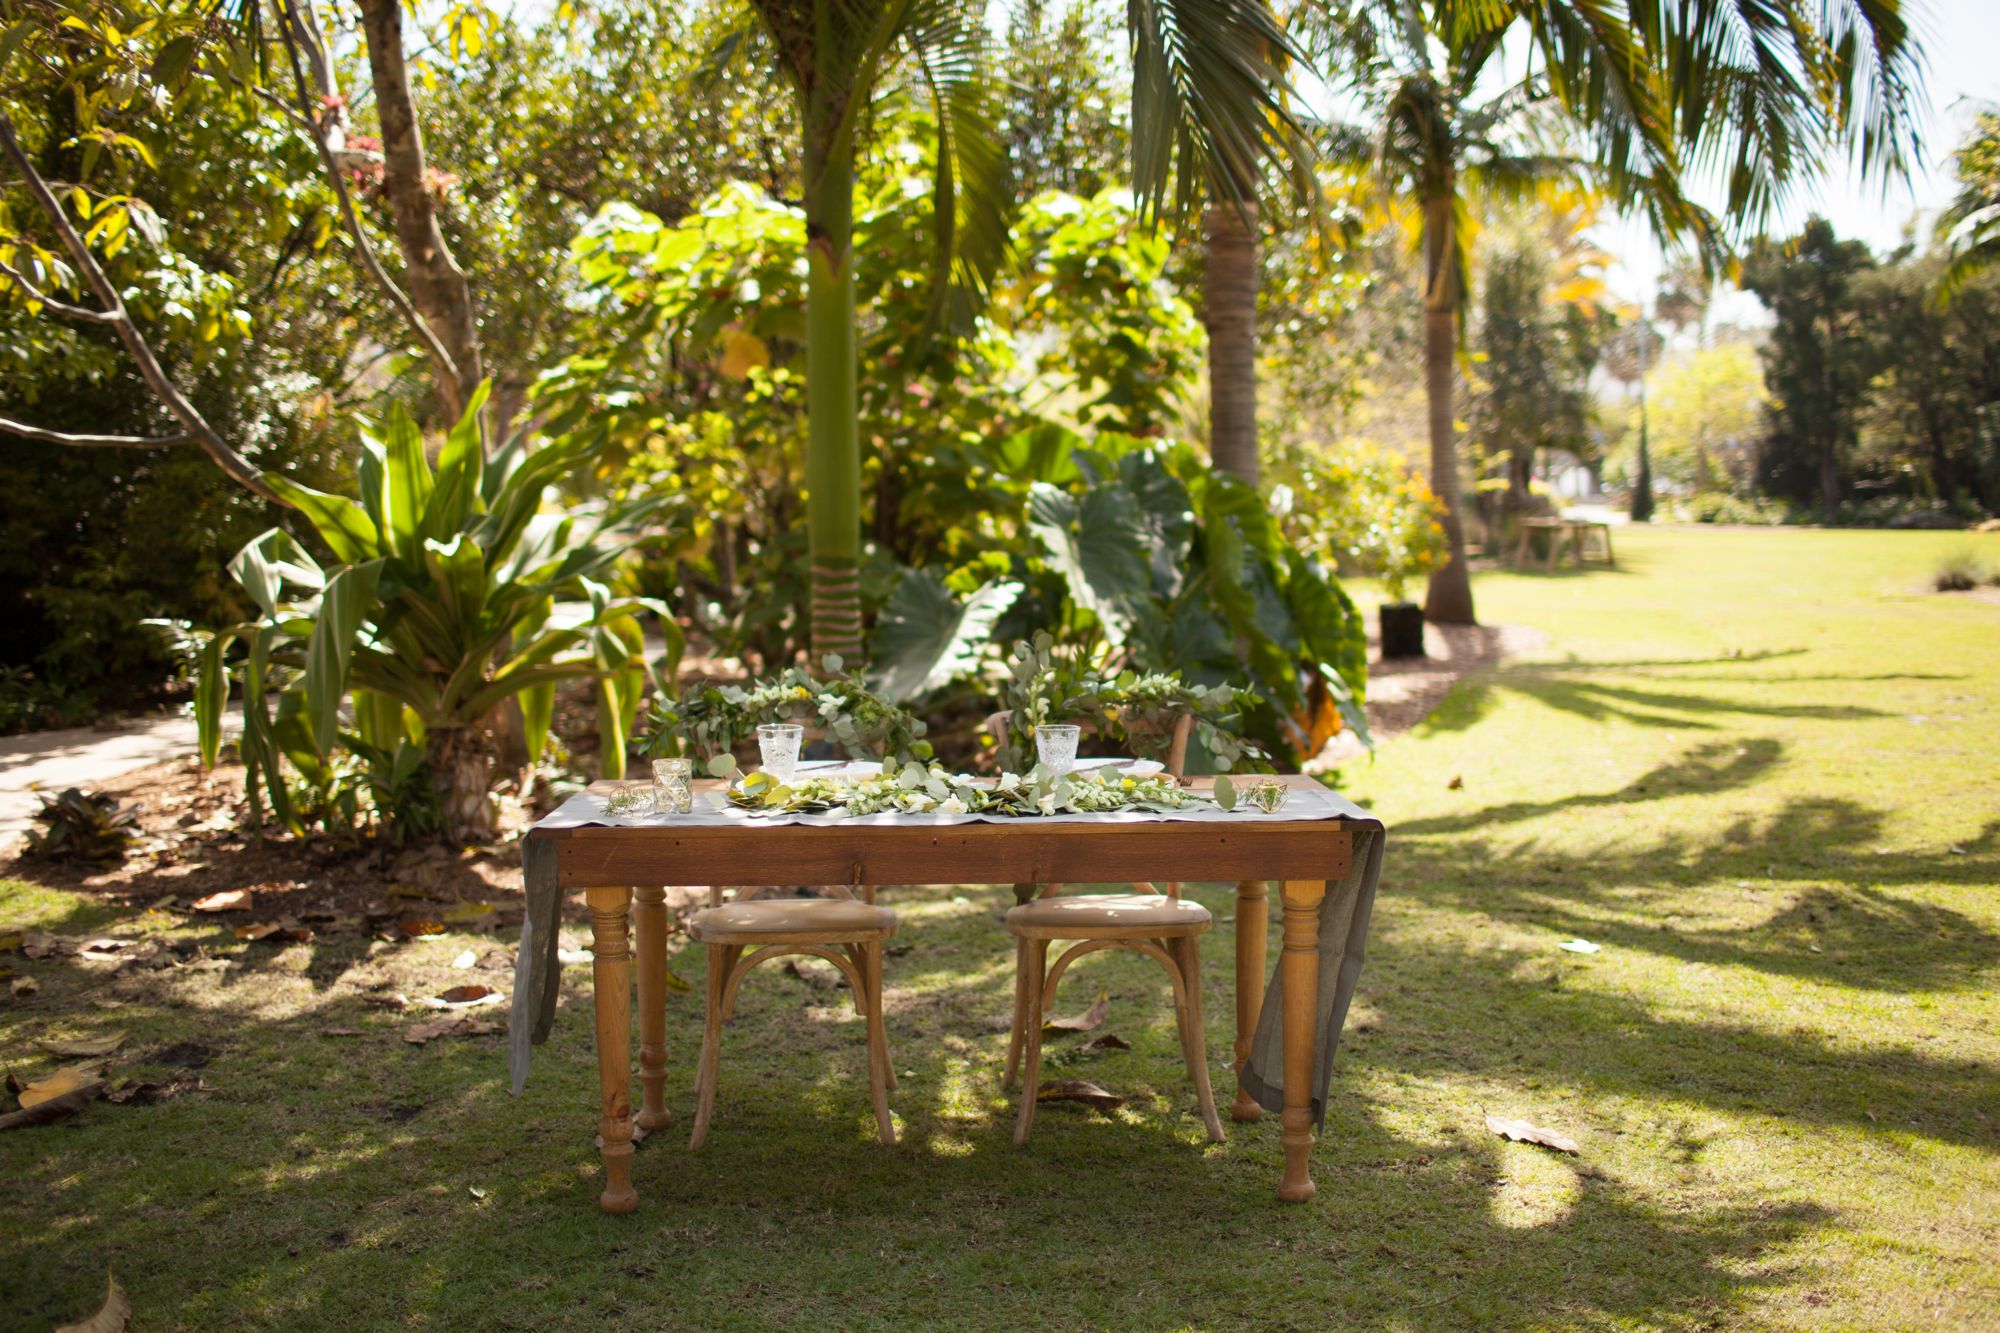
(833, 428)
(437, 284)
(1449, 598)
(1231, 314)
(461, 774)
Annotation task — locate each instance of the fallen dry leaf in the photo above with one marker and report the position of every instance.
(229, 900)
(467, 913)
(1454, 784)
(1088, 1021)
(412, 927)
(12, 940)
(111, 1317)
(1078, 1090)
(85, 1048)
(1520, 1131)
(66, 1079)
(341, 1032)
(569, 956)
(39, 944)
(48, 1110)
(1110, 1041)
(465, 997)
(284, 932)
(465, 961)
(23, 987)
(475, 1191)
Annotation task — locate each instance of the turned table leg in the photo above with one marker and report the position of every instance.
(1298, 970)
(1253, 920)
(611, 984)
(649, 918)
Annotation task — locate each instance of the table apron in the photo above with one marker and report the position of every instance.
(596, 857)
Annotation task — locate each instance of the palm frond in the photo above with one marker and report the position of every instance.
(973, 191)
(1211, 107)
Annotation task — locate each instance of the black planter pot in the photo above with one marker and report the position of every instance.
(1402, 629)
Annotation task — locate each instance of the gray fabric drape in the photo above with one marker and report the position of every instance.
(537, 971)
(1343, 937)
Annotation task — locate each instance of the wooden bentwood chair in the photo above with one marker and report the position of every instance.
(1164, 926)
(844, 931)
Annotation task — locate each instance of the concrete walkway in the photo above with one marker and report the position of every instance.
(49, 761)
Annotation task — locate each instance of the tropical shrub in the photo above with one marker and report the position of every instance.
(450, 597)
(82, 826)
(1362, 509)
(1161, 564)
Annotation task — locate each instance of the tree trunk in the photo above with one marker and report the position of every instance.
(833, 428)
(437, 284)
(1449, 599)
(1829, 474)
(461, 775)
(1231, 315)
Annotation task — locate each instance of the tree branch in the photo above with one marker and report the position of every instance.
(27, 432)
(239, 468)
(60, 307)
(295, 34)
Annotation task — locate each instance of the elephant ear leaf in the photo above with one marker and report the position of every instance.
(1099, 548)
(927, 637)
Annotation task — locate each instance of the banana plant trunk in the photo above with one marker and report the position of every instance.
(461, 774)
(1231, 315)
(833, 428)
(1449, 598)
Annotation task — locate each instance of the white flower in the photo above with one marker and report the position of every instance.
(831, 705)
(1047, 804)
(919, 802)
(952, 806)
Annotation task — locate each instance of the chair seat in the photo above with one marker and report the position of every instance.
(770, 920)
(1097, 915)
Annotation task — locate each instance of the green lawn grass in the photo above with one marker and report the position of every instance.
(1756, 767)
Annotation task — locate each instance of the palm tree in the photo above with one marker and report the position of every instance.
(1208, 110)
(1757, 89)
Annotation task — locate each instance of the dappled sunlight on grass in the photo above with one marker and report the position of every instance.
(1783, 1066)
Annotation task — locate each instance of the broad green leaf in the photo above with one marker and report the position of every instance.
(538, 710)
(340, 522)
(211, 693)
(1225, 792)
(1098, 547)
(927, 638)
(407, 481)
(455, 496)
(349, 597)
(268, 562)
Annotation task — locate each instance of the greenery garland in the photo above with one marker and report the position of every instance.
(1047, 683)
(713, 719)
(919, 788)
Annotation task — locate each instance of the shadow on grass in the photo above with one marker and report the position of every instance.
(1577, 688)
(309, 1191)
(329, 1183)
(1844, 926)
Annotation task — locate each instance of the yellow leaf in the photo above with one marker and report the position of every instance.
(742, 352)
(67, 1079)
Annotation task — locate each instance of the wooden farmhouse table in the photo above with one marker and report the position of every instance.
(623, 871)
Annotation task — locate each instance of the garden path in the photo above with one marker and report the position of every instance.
(48, 761)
